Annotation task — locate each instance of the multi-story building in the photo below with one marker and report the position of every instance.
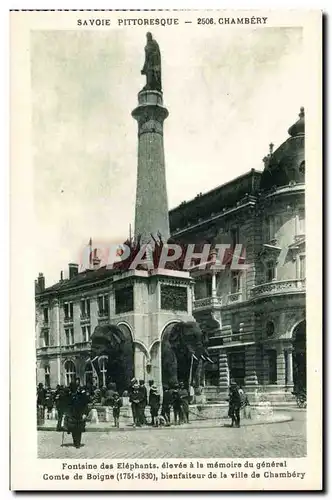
(255, 317)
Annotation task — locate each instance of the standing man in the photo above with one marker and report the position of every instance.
(136, 399)
(152, 64)
(76, 413)
(60, 404)
(41, 403)
(166, 405)
(184, 397)
(144, 402)
(234, 404)
(176, 400)
(154, 402)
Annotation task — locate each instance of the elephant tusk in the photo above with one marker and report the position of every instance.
(193, 355)
(94, 359)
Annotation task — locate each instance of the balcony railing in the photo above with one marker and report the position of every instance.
(68, 319)
(278, 287)
(207, 303)
(234, 297)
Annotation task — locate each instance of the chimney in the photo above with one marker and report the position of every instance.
(41, 282)
(73, 270)
(61, 276)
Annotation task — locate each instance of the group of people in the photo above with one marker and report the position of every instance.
(176, 397)
(74, 403)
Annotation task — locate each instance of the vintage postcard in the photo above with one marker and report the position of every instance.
(166, 215)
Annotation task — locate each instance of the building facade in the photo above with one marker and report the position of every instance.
(255, 318)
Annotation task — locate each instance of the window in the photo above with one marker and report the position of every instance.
(69, 333)
(47, 377)
(270, 271)
(70, 372)
(269, 328)
(103, 369)
(272, 367)
(86, 333)
(234, 236)
(273, 223)
(302, 267)
(270, 228)
(85, 308)
(68, 310)
(88, 374)
(301, 223)
(103, 305)
(45, 314)
(46, 336)
(235, 282)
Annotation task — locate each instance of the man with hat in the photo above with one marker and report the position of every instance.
(166, 405)
(76, 412)
(154, 402)
(135, 398)
(234, 404)
(144, 402)
(184, 398)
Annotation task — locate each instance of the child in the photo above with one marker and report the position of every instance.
(117, 403)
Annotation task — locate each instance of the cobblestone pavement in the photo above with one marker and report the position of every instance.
(286, 439)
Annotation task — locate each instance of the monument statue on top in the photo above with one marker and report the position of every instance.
(152, 65)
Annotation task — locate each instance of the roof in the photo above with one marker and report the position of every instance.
(214, 201)
(81, 279)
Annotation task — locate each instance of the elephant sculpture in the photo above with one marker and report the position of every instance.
(117, 346)
(183, 354)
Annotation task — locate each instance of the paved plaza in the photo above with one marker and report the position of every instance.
(283, 439)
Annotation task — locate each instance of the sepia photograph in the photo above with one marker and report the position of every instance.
(169, 203)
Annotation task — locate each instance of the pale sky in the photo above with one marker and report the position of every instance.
(229, 92)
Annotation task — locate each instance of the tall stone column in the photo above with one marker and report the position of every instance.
(151, 214)
(289, 371)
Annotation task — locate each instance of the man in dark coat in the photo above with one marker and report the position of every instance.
(154, 403)
(41, 403)
(49, 402)
(184, 398)
(76, 413)
(143, 403)
(136, 398)
(234, 404)
(166, 405)
(61, 401)
(176, 401)
(116, 404)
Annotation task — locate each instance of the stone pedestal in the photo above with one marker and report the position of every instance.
(151, 216)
